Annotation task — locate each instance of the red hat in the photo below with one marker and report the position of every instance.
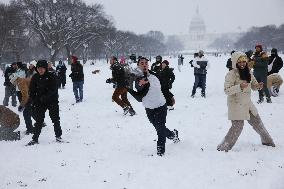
(166, 62)
(74, 58)
(258, 45)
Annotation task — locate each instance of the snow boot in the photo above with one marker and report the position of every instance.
(33, 142)
(161, 150)
(59, 140)
(268, 100)
(126, 110)
(175, 138)
(132, 112)
(260, 100)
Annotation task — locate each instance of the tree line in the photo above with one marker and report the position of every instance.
(269, 36)
(57, 29)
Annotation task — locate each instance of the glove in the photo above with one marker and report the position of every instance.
(108, 80)
(21, 108)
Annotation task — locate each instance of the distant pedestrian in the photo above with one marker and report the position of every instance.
(77, 76)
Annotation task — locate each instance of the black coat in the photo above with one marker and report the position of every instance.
(118, 75)
(77, 73)
(61, 69)
(9, 70)
(277, 64)
(229, 64)
(156, 67)
(166, 77)
(43, 89)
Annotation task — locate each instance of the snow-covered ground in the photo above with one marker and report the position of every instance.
(112, 151)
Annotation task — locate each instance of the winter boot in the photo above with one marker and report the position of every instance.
(192, 95)
(203, 94)
(161, 150)
(260, 100)
(126, 110)
(175, 138)
(59, 140)
(268, 100)
(33, 142)
(269, 144)
(132, 112)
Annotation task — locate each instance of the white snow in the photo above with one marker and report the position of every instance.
(110, 151)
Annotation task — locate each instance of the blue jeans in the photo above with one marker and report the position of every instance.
(158, 118)
(78, 87)
(200, 80)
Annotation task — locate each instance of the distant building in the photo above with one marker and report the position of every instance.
(198, 37)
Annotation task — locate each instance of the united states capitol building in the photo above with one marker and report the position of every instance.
(198, 37)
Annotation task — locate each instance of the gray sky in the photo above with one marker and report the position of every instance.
(173, 16)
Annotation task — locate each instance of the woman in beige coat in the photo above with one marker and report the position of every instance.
(238, 84)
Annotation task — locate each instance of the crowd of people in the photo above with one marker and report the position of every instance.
(36, 88)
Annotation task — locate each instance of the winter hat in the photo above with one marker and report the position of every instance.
(232, 51)
(20, 64)
(42, 64)
(13, 77)
(159, 58)
(33, 63)
(237, 57)
(200, 52)
(259, 45)
(74, 58)
(273, 51)
(166, 62)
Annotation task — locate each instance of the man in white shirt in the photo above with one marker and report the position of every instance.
(155, 104)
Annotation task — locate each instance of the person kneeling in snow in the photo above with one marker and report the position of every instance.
(274, 81)
(9, 121)
(150, 94)
(238, 84)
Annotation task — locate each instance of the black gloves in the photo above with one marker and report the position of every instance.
(109, 80)
(21, 108)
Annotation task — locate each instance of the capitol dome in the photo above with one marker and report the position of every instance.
(197, 24)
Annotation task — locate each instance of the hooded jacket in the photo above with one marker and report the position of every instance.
(239, 100)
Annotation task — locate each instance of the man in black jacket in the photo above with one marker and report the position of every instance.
(77, 77)
(229, 62)
(167, 77)
(275, 62)
(44, 96)
(157, 65)
(10, 89)
(61, 72)
(120, 93)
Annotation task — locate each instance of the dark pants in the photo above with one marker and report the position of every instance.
(10, 91)
(78, 89)
(38, 112)
(168, 96)
(61, 80)
(19, 95)
(158, 118)
(262, 78)
(27, 113)
(120, 97)
(200, 79)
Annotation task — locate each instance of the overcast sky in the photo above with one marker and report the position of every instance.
(173, 16)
